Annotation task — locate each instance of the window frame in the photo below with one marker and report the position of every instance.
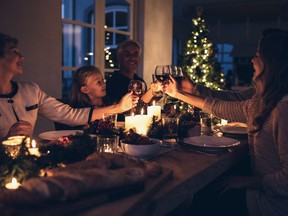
(99, 37)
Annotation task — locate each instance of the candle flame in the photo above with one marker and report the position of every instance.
(33, 144)
(14, 180)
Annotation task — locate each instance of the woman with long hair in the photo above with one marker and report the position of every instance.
(267, 121)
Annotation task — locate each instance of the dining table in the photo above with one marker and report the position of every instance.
(185, 172)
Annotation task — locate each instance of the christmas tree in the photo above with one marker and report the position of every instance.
(199, 58)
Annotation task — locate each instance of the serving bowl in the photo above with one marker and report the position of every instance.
(143, 150)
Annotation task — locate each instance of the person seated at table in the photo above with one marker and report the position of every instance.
(128, 55)
(21, 102)
(266, 116)
(89, 90)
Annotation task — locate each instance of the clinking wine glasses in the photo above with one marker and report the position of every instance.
(162, 73)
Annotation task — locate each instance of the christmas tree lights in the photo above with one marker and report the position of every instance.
(199, 58)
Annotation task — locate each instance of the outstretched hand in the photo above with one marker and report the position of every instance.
(171, 88)
(156, 86)
(128, 101)
(187, 84)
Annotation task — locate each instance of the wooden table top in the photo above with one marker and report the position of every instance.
(191, 172)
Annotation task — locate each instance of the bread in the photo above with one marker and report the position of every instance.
(120, 161)
(100, 163)
(100, 171)
(67, 185)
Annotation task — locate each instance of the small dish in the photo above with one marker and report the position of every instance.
(143, 151)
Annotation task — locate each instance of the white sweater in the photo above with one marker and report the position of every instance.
(28, 100)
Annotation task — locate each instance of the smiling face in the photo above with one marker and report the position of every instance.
(95, 86)
(129, 57)
(12, 61)
(258, 65)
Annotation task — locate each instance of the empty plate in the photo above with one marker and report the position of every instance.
(54, 135)
(211, 142)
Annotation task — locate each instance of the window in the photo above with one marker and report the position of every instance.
(83, 24)
(224, 57)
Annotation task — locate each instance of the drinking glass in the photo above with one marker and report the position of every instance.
(138, 88)
(12, 148)
(156, 94)
(162, 73)
(107, 143)
(170, 131)
(177, 73)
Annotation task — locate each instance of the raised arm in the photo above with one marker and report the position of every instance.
(148, 96)
(127, 102)
(172, 90)
(187, 85)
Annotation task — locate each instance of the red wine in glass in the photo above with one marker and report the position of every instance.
(162, 73)
(163, 78)
(137, 87)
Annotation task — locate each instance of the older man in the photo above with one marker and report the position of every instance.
(128, 55)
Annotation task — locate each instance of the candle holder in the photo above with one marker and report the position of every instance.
(33, 149)
(13, 185)
(107, 143)
(12, 148)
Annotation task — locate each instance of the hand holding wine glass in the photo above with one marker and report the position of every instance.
(138, 88)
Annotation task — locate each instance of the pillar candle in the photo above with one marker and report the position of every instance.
(140, 122)
(154, 111)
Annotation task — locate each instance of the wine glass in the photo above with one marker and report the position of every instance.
(162, 73)
(177, 73)
(137, 87)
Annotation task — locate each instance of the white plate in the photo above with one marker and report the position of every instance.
(234, 128)
(54, 135)
(211, 142)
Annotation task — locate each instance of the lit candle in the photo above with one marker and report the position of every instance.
(13, 184)
(33, 150)
(107, 148)
(154, 111)
(224, 122)
(129, 122)
(140, 122)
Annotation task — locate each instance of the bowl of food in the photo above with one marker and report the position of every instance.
(140, 146)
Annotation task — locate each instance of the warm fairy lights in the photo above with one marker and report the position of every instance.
(200, 57)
